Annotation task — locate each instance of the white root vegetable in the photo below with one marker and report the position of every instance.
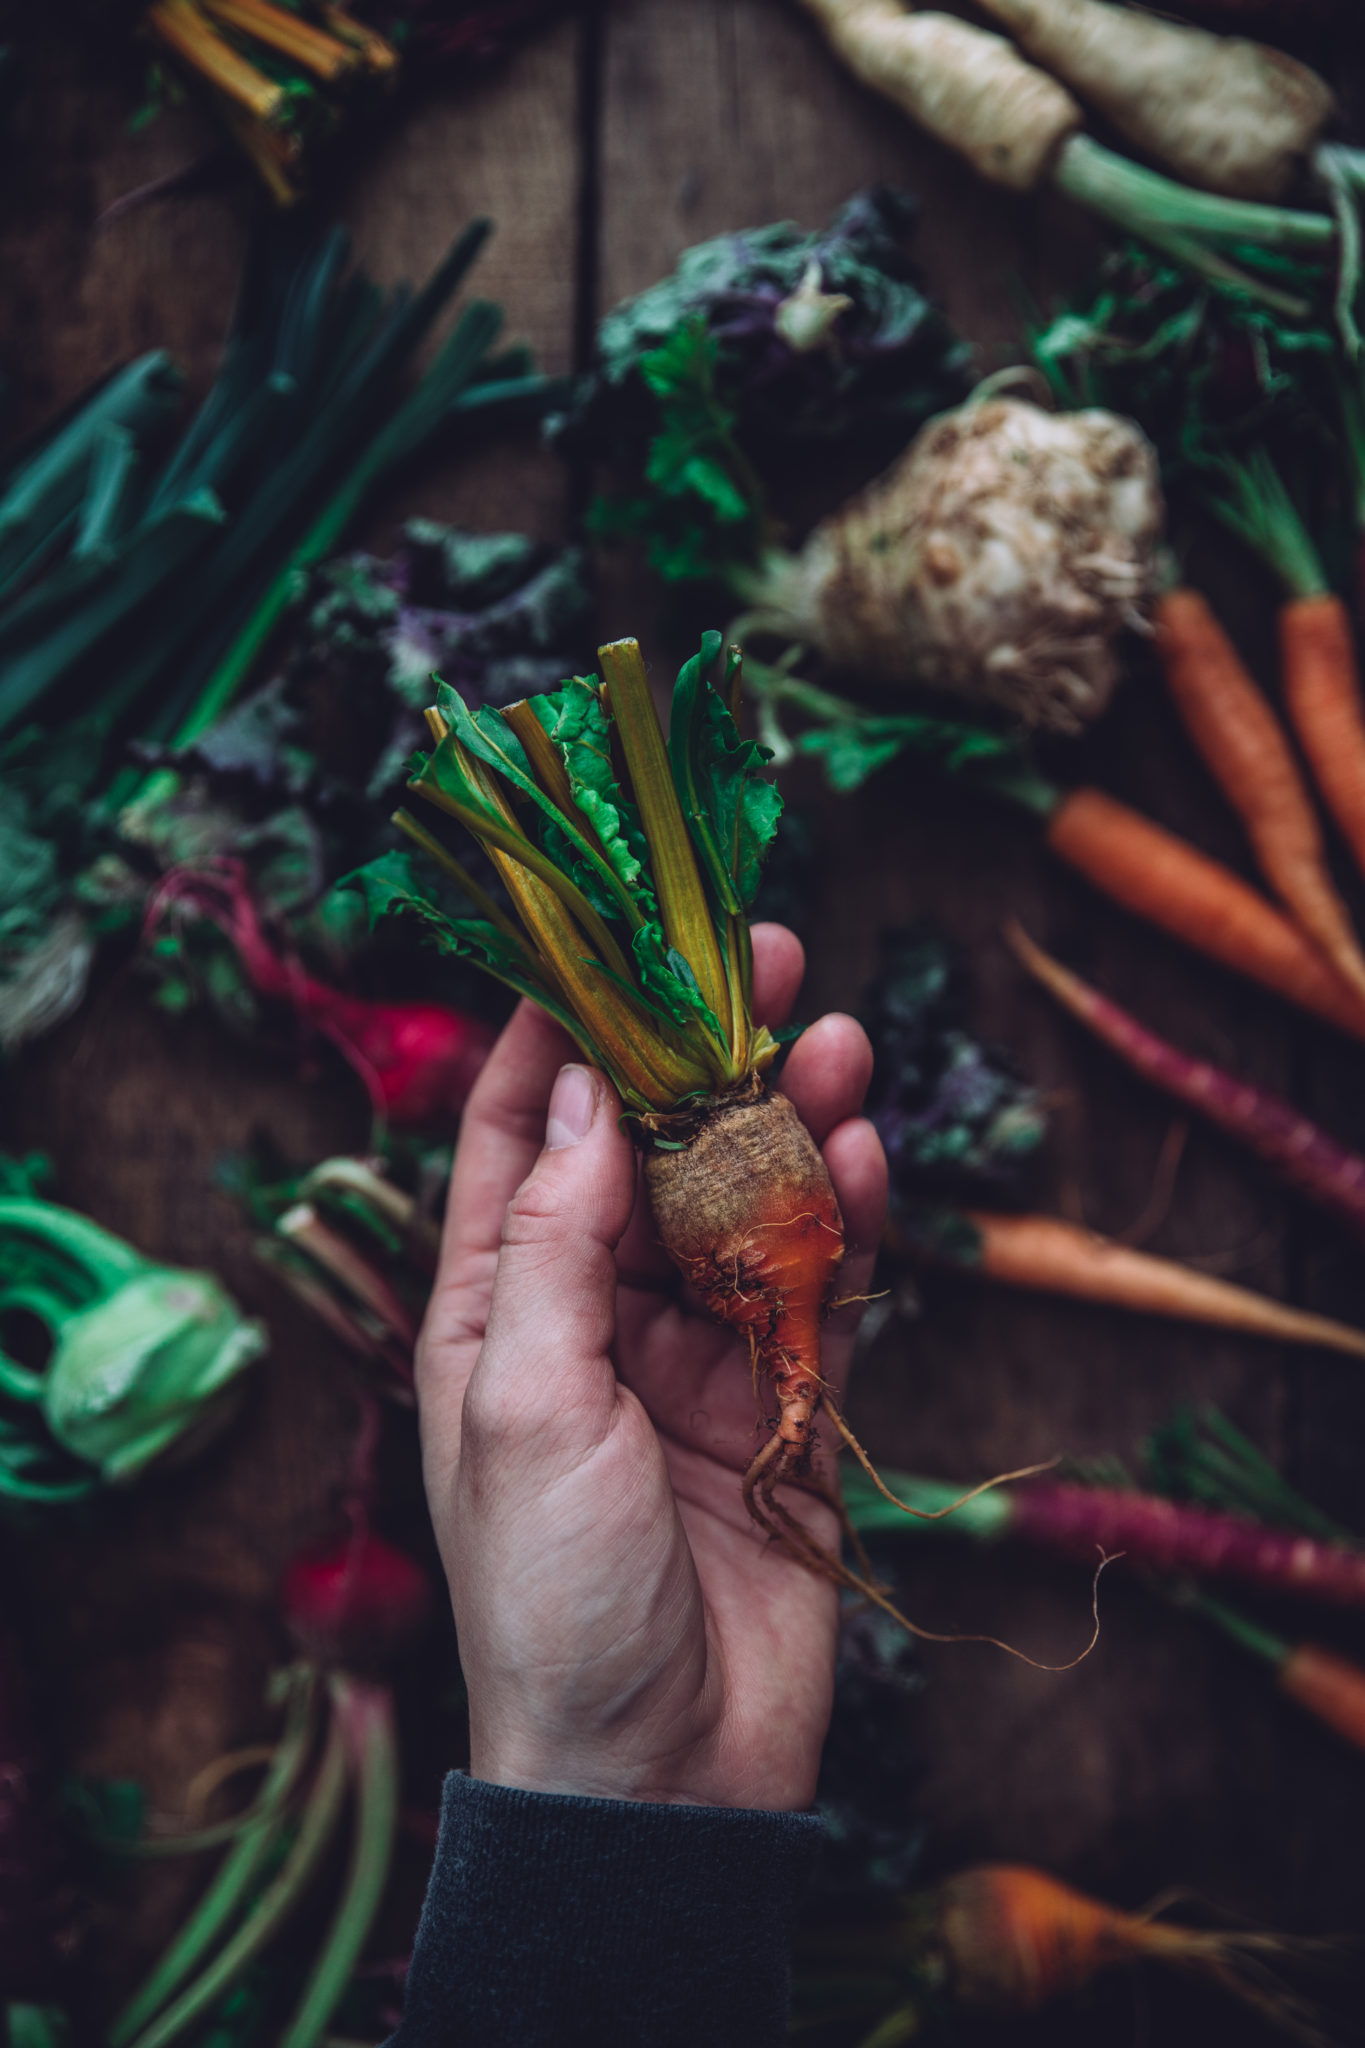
(1018, 126)
(1224, 113)
(999, 558)
(964, 85)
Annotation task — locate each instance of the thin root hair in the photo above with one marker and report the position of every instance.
(774, 1466)
(926, 1514)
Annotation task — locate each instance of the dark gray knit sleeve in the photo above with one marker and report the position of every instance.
(554, 1921)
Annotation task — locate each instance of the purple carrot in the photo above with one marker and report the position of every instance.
(1155, 1533)
(1300, 1151)
(1175, 1536)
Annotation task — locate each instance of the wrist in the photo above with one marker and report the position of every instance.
(584, 1772)
(602, 1765)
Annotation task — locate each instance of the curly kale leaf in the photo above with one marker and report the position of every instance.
(762, 346)
(499, 615)
(1204, 373)
(952, 1116)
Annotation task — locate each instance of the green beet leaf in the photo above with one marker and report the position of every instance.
(577, 723)
(731, 807)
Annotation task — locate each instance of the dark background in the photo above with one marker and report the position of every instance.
(601, 150)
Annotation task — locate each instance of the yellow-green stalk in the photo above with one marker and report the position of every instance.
(630, 860)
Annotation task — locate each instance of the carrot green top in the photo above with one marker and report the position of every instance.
(629, 860)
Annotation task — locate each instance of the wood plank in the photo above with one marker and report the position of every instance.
(507, 148)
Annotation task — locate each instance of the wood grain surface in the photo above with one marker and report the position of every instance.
(603, 149)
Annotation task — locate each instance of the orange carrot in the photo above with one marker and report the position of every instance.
(1055, 1257)
(1162, 878)
(1323, 698)
(1329, 1686)
(1008, 1938)
(1324, 1683)
(1012, 1938)
(1241, 740)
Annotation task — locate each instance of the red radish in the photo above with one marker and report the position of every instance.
(1149, 1530)
(356, 1602)
(1270, 1126)
(418, 1060)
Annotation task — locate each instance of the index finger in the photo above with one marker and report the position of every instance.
(502, 1130)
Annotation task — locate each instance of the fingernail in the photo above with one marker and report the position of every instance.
(573, 1105)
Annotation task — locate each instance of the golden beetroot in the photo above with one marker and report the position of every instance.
(630, 862)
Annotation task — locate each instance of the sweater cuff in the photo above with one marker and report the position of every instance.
(563, 1919)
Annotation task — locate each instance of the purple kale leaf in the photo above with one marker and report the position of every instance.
(953, 1116)
(818, 336)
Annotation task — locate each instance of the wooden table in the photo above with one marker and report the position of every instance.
(602, 150)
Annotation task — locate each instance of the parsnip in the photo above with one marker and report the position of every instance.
(964, 85)
(1021, 128)
(1220, 111)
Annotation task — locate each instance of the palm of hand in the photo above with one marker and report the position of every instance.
(625, 1629)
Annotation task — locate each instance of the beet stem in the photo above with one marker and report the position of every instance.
(319, 1819)
(256, 1839)
(366, 1715)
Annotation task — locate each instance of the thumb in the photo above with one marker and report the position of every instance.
(545, 1369)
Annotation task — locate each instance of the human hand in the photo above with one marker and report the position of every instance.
(625, 1629)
